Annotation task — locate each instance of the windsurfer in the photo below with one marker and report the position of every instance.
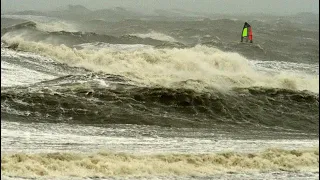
(246, 32)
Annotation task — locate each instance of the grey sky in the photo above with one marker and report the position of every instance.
(212, 6)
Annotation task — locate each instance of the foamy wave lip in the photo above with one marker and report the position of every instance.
(100, 45)
(111, 164)
(208, 67)
(156, 36)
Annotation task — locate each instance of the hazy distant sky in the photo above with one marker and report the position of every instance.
(212, 6)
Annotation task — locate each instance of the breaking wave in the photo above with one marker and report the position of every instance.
(203, 67)
(110, 99)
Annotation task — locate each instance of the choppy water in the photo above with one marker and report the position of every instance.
(155, 99)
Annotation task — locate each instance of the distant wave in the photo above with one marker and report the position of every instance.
(46, 33)
(156, 35)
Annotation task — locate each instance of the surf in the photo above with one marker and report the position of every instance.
(104, 164)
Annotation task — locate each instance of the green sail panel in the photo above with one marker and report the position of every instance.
(245, 32)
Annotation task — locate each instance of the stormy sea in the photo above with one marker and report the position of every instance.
(116, 94)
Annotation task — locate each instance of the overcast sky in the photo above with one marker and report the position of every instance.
(212, 6)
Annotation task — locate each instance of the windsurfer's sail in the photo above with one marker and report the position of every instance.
(246, 32)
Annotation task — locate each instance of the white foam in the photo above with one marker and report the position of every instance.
(13, 74)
